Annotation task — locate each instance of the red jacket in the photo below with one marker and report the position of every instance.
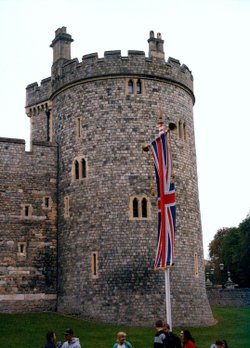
(189, 344)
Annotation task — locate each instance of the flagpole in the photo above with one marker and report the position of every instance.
(162, 156)
(168, 300)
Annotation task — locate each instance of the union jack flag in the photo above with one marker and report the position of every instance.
(166, 202)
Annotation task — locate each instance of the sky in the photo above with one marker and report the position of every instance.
(210, 37)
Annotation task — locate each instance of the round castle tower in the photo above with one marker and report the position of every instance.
(100, 112)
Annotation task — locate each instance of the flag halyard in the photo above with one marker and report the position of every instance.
(166, 202)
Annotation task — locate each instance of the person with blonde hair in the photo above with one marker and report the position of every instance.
(121, 341)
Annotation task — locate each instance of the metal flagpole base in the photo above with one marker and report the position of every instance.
(168, 300)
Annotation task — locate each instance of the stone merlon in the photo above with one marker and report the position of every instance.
(112, 65)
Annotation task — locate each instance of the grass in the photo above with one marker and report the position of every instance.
(28, 330)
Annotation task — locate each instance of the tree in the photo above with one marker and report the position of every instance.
(244, 252)
(220, 252)
(230, 254)
(231, 247)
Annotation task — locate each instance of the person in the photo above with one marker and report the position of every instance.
(51, 340)
(182, 337)
(71, 341)
(225, 345)
(188, 340)
(221, 344)
(171, 340)
(160, 336)
(121, 341)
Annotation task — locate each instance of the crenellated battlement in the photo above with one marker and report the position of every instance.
(36, 94)
(113, 64)
(78, 209)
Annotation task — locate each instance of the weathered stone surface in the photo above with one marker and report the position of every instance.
(114, 125)
(25, 179)
(229, 297)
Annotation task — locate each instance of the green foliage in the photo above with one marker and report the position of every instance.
(244, 249)
(231, 247)
(28, 330)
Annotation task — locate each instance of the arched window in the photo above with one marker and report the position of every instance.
(135, 208)
(83, 168)
(79, 168)
(77, 174)
(139, 208)
(180, 129)
(130, 87)
(184, 132)
(138, 86)
(144, 208)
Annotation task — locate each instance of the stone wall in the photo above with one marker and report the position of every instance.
(115, 126)
(28, 239)
(93, 97)
(229, 297)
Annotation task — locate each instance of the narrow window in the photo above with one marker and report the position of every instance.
(144, 207)
(138, 87)
(76, 170)
(184, 132)
(66, 206)
(135, 208)
(48, 125)
(83, 168)
(130, 87)
(180, 129)
(94, 264)
(78, 127)
(21, 248)
(196, 268)
(46, 202)
(26, 210)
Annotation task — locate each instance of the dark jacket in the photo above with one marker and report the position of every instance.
(172, 340)
(159, 339)
(50, 345)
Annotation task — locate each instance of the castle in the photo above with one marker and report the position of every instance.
(78, 220)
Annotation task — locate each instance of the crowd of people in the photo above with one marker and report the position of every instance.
(164, 338)
(70, 340)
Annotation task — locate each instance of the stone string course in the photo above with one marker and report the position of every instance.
(115, 126)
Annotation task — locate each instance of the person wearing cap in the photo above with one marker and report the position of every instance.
(71, 341)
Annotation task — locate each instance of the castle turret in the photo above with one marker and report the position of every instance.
(61, 45)
(156, 46)
(100, 112)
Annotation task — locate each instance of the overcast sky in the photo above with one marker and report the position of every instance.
(211, 37)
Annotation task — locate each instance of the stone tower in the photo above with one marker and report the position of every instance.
(99, 113)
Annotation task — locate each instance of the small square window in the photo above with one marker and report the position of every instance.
(46, 202)
(26, 211)
(21, 248)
